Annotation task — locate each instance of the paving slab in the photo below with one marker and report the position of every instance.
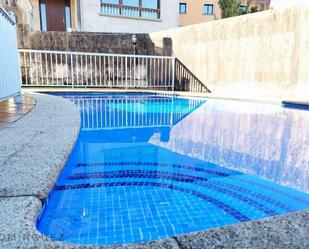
(35, 148)
(280, 232)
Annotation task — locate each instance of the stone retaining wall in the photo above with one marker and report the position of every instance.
(262, 55)
(115, 43)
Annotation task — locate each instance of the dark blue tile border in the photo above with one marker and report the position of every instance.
(295, 198)
(199, 181)
(208, 171)
(231, 211)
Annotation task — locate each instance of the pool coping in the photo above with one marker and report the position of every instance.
(240, 97)
(13, 108)
(31, 162)
(21, 204)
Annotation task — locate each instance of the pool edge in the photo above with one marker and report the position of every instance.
(283, 231)
(32, 160)
(19, 213)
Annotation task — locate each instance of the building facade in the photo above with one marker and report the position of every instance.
(128, 16)
(23, 11)
(255, 5)
(282, 4)
(197, 11)
(125, 16)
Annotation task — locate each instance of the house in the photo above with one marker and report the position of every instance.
(23, 10)
(281, 4)
(133, 16)
(255, 5)
(197, 11)
(126, 16)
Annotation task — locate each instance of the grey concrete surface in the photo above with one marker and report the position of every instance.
(280, 232)
(35, 149)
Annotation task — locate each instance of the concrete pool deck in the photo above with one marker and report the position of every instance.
(12, 109)
(33, 152)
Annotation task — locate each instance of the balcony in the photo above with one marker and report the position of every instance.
(130, 11)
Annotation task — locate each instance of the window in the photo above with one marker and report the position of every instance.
(149, 9)
(132, 3)
(67, 15)
(208, 9)
(43, 15)
(150, 4)
(182, 8)
(242, 10)
(111, 1)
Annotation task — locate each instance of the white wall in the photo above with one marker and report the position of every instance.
(281, 4)
(94, 22)
(10, 81)
(262, 55)
(27, 8)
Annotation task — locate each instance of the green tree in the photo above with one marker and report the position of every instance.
(254, 9)
(229, 8)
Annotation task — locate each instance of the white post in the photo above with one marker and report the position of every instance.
(173, 73)
(72, 73)
(126, 68)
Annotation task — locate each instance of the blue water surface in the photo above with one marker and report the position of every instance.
(147, 166)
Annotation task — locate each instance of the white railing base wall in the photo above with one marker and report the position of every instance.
(40, 68)
(10, 82)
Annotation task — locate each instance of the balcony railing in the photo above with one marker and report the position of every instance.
(129, 11)
(41, 68)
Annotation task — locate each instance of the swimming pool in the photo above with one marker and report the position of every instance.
(148, 166)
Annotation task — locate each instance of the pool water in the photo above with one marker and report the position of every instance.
(147, 167)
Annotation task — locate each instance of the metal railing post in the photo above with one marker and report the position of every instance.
(173, 73)
(72, 73)
(126, 66)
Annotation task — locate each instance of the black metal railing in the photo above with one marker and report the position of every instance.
(185, 80)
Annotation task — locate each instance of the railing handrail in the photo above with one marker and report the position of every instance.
(94, 54)
(7, 15)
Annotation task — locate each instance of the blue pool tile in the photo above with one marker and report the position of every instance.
(125, 182)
